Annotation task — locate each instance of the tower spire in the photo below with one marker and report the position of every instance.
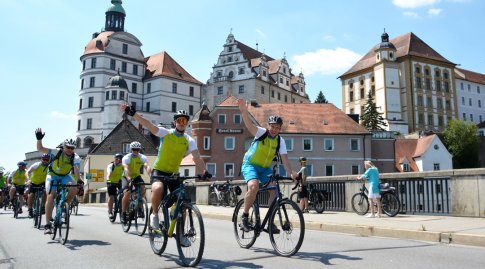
(115, 17)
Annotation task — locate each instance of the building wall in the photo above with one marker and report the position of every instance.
(471, 101)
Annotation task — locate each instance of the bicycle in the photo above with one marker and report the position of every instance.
(16, 205)
(185, 218)
(286, 226)
(6, 198)
(74, 206)
(224, 193)
(390, 202)
(38, 206)
(117, 206)
(61, 220)
(137, 209)
(316, 198)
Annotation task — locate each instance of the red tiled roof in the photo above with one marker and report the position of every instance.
(469, 76)
(274, 66)
(410, 149)
(91, 46)
(407, 44)
(423, 144)
(250, 53)
(162, 64)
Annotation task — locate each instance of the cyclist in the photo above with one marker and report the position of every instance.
(113, 180)
(3, 183)
(302, 188)
(372, 175)
(175, 144)
(65, 164)
(256, 164)
(17, 181)
(133, 163)
(37, 173)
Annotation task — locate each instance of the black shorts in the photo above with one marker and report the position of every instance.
(304, 193)
(20, 189)
(124, 182)
(171, 184)
(34, 187)
(113, 188)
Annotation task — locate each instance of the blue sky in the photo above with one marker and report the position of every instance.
(42, 42)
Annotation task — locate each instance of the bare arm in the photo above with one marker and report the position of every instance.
(199, 162)
(148, 169)
(252, 128)
(77, 174)
(144, 122)
(127, 171)
(286, 164)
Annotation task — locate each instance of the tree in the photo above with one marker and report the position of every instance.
(372, 119)
(321, 99)
(462, 141)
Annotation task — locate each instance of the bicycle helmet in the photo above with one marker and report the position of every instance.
(135, 145)
(69, 143)
(275, 119)
(181, 113)
(22, 164)
(119, 155)
(302, 159)
(45, 156)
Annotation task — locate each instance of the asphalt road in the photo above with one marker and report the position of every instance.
(96, 243)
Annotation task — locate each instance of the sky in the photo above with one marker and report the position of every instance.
(42, 42)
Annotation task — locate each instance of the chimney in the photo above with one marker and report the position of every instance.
(254, 103)
(95, 34)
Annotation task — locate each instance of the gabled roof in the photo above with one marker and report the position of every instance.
(407, 44)
(250, 53)
(469, 75)
(410, 149)
(162, 64)
(103, 38)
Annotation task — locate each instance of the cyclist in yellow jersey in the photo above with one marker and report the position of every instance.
(114, 173)
(37, 173)
(175, 144)
(64, 161)
(257, 160)
(17, 181)
(3, 183)
(133, 163)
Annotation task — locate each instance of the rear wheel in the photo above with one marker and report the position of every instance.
(141, 217)
(318, 200)
(64, 224)
(288, 219)
(190, 235)
(390, 204)
(360, 203)
(75, 205)
(244, 239)
(158, 238)
(15, 206)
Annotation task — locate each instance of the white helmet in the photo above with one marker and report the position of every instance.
(69, 143)
(135, 145)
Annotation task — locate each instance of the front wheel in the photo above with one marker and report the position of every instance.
(141, 217)
(64, 223)
(38, 212)
(126, 224)
(318, 200)
(158, 238)
(190, 235)
(360, 203)
(244, 239)
(15, 207)
(288, 231)
(390, 204)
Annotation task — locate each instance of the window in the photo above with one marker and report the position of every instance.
(237, 119)
(229, 48)
(80, 103)
(92, 81)
(221, 119)
(281, 79)
(148, 107)
(272, 93)
(93, 63)
(174, 107)
(279, 96)
(191, 91)
(89, 124)
(418, 70)
(220, 90)
(211, 168)
(122, 95)
(134, 87)
(426, 72)
(84, 65)
(126, 148)
(307, 144)
(479, 103)
(133, 104)
(114, 95)
(309, 169)
(112, 64)
(354, 144)
(229, 59)
(440, 121)
(436, 166)
(264, 73)
(229, 169)
(240, 71)
(328, 170)
(351, 96)
(125, 48)
(262, 89)
(207, 142)
(418, 83)
(420, 100)
(478, 89)
(430, 120)
(420, 118)
(174, 87)
(286, 98)
(463, 100)
(78, 125)
(470, 101)
(241, 88)
(149, 88)
(471, 117)
(123, 67)
(461, 85)
(447, 86)
(191, 110)
(135, 69)
(328, 144)
(90, 101)
(429, 102)
(355, 170)
(428, 84)
(229, 142)
(186, 172)
(362, 94)
(448, 104)
(469, 87)
(464, 116)
(405, 167)
(82, 84)
(439, 103)
(219, 74)
(438, 85)
(289, 144)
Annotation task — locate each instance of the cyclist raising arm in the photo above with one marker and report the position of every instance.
(257, 160)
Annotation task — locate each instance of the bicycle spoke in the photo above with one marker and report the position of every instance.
(288, 231)
(190, 235)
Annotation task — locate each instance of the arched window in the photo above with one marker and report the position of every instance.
(88, 141)
(231, 74)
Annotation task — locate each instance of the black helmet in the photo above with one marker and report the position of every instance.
(275, 119)
(302, 159)
(181, 113)
(118, 156)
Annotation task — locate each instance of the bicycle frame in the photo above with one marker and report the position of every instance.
(260, 226)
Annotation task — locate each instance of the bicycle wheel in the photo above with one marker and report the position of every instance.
(131, 211)
(39, 211)
(75, 205)
(15, 207)
(318, 200)
(158, 238)
(360, 203)
(244, 239)
(116, 208)
(213, 199)
(64, 223)
(141, 217)
(294, 197)
(57, 221)
(390, 204)
(190, 235)
(288, 219)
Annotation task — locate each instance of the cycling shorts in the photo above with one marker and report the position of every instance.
(251, 171)
(33, 187)
(304, 192)
(113, 188)
(20, 189)
(124, 182)
(171, 184)
(54, 180)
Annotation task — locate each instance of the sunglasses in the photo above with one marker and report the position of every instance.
(135, 149)
(71, 148)
(182, 120)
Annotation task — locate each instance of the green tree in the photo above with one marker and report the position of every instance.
(321, 99)
(461, 139)
(372, 119)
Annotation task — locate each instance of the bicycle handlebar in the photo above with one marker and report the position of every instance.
(62, 185)
(297, 182)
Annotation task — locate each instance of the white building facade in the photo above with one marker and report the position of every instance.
(470, 91)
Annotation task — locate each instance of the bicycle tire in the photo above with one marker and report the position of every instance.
(288, 218)
(39, 212)
(244, 239)
(116, 208)
(360, 203)
(294, 197)
(318, 201)
(190, 225)
(390, 204)
(213, 200)
(15, 207)
(141, 222)
(76, 205)
(64, 223)
(55, 224)
(126, 225)
(158, 239)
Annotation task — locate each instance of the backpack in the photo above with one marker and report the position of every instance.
(58, 155)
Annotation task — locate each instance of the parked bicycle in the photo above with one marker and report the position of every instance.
(61, 222)
(137, 210)
(390, 202)
(284, 219)
(185, 218)
(224, 193)
(316, 198)
(38, 205)
(117, 206)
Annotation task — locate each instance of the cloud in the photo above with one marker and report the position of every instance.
(410, 14)
(414, 3)
(328, 38)
(261, 33)
(60, 115)
(325, 61)
(434, 11)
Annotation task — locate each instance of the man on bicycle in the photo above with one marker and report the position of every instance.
(37, 173)
(113, 180)
(17, 181)
(133, 163)
(64, 161)
(256, 164)
(175, 144)
(3, 183)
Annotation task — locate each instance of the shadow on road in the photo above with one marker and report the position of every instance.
(214, 264)
(76, 244)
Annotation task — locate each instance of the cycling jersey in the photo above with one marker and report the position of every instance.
(39, 173)
(3, 180)
(135, 163)
(116, 173)
(173, 148)
(18, 177)
(261, 153)
(64, 164)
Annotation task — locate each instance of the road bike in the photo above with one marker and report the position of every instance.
(38, 205)
(16, 204)
(6, 198)
(224, 193)
(137, 210)
(316, 198)
(117, 204)
(61, 222)
(185, 218)
(390, 202)
(284, 219)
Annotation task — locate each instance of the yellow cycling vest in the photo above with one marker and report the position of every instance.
(18, 178)
(39, 174)
(62, 166)
(116, 173)
(136, 164)
(171, 152)
(262, 154)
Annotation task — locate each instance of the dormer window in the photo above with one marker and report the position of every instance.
(229, 59)
(264, 73)
(391, 55)
(229, 48)
(378, 55)
(284, 70)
